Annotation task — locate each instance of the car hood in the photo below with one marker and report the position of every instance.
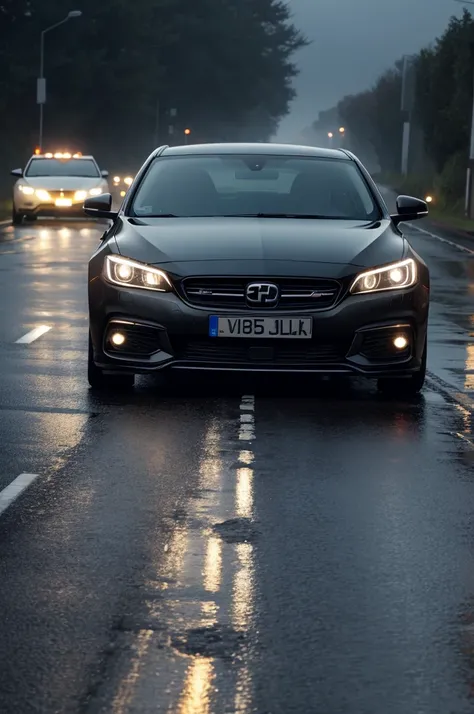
(256, 246)
(63, 183)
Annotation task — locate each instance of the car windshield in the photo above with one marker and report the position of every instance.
(250, 185)
(63, 167)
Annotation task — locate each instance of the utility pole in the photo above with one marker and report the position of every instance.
(406, 109)
(469, 198)
(41, 82)
(156, 135)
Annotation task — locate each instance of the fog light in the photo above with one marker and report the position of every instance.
(400, 342)
(117, 339)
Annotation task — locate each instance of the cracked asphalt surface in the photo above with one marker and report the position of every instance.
(230, 545)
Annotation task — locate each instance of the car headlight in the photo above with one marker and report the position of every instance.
(95, 191)
(43, 195)
(80, 195)
(27, 190)
(390, 277)
(123, 271)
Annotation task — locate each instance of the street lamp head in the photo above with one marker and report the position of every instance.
(330, 134)
(342, 129)
(74, 13)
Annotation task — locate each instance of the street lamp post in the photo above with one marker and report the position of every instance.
(41, 86)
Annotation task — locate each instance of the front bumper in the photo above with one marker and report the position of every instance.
(32, 208)
(164, 332)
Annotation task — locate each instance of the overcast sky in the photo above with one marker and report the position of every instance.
(353, 41)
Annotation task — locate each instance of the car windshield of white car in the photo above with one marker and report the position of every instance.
(260, 186)
(62, 167)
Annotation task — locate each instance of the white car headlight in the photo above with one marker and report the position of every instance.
(123, 271)
(43, 195)
(391, 277)
(27, 190)
(95, 191)
(80, 195)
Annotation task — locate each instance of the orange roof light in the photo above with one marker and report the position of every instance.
(77, 155)
(37, 151)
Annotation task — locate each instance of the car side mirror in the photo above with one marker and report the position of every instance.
(17, 172)
(100, 207)
(409, 209)
(104, 174)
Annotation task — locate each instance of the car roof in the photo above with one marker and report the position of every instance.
(76, 158)
(255, 148)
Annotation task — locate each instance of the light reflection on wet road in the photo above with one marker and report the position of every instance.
(230, 546)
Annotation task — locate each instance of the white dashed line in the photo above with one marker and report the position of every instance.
(33, 335)
(14, 489)
(247, 419)
(443, 240)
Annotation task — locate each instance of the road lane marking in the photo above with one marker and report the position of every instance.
(14, 489)
(449, 391)
(443, 240)
(247, 421)
(464, 438)
(33, 335)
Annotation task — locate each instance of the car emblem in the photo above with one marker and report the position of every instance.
(262, 293)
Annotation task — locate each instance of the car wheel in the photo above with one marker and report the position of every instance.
(100, 381)
(17, 218)
(406, 386)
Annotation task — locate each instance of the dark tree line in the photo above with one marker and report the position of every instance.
(114, 74)
(442, 109)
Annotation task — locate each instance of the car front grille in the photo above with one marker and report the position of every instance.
(61, 194)
(249, 352)
(229, 293)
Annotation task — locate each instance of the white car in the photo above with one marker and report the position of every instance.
(56, 185)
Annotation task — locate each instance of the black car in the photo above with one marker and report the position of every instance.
(257, 257)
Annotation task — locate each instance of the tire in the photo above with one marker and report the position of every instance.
(405, 386)
(17, 218)
(103, 382)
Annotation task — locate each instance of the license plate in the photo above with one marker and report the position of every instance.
(64, 202)
(278, 327)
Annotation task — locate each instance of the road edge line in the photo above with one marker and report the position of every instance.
(449, 391)
(440, 238)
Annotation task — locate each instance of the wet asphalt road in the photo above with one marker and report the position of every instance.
(230, 545)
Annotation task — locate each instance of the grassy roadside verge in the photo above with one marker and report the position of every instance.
(5, 210)
(449, 217)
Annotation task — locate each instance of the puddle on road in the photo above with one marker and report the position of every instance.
(200, 603)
